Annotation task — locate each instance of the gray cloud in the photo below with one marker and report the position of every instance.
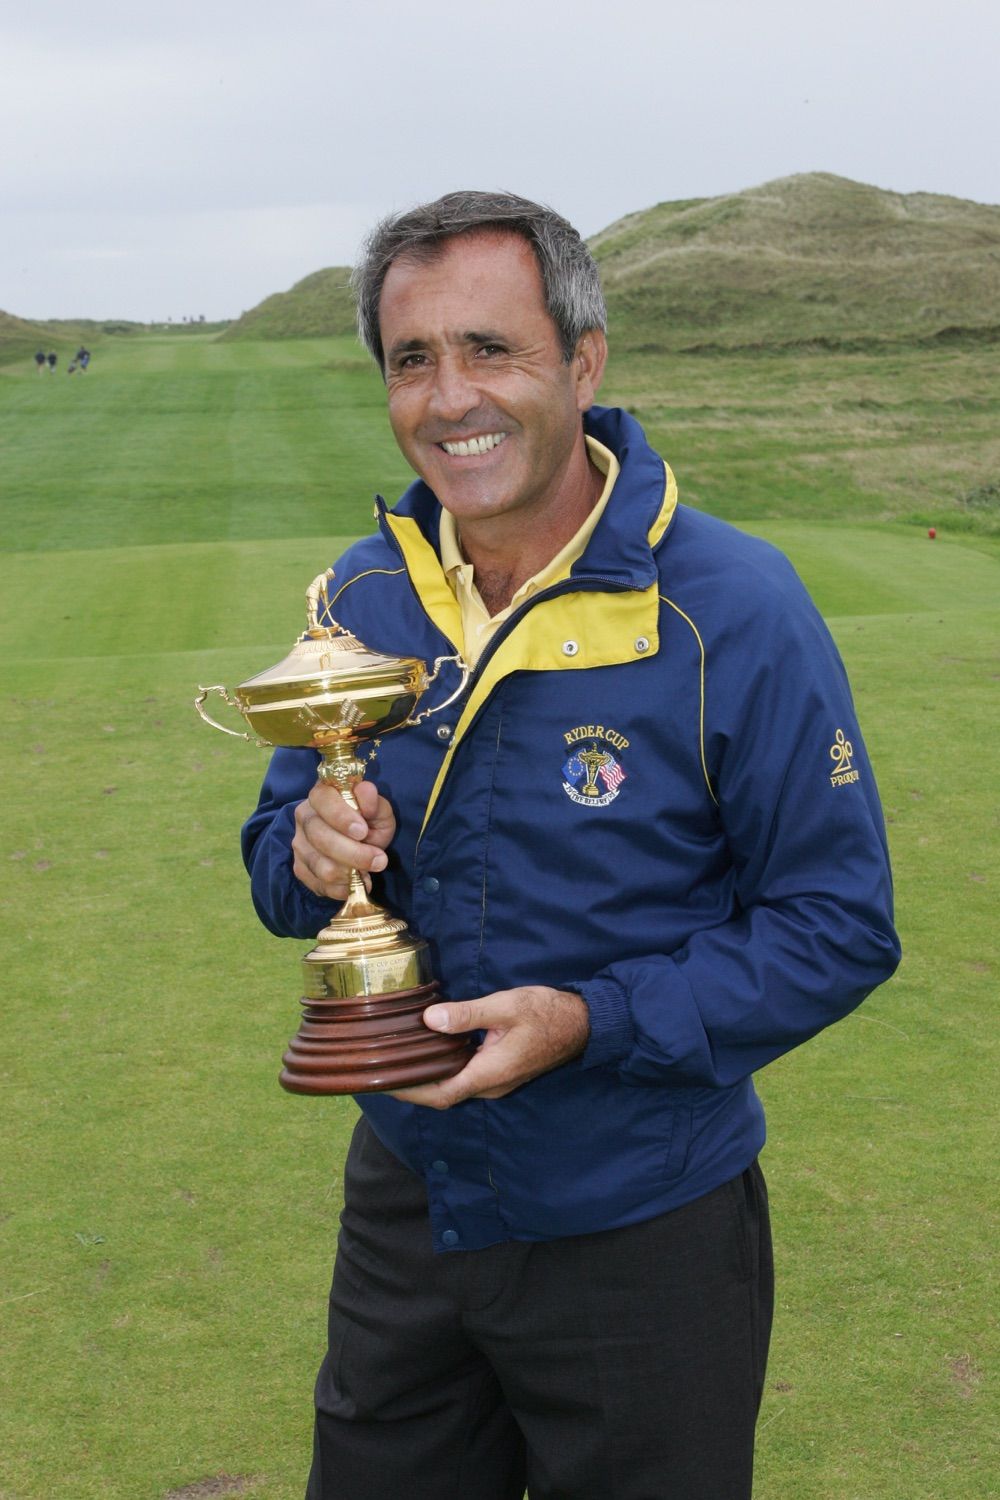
(197, 158)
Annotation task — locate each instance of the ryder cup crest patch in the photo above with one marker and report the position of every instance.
(592, 772)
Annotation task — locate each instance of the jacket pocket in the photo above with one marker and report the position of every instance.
(678, 1144)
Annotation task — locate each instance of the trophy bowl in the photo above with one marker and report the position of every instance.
(368, 979)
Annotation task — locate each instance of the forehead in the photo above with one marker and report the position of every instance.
(473, 280)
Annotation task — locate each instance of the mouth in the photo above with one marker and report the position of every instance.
(474, 446)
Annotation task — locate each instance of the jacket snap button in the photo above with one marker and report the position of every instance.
(570, 648)
(444, 731)
(431, 884)
(642, 644)
(450, 1237)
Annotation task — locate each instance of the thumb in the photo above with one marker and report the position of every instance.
(455, 1015)
(366, 796)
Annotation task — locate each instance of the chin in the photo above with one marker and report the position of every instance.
(469, 507)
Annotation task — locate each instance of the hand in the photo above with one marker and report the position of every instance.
(528, 1031)
(332, 839)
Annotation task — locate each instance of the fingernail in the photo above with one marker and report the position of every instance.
(357, 830)
(379, 861)
(436, 1017)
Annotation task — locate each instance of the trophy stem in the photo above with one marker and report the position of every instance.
(341, 768)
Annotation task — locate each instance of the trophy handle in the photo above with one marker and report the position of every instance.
(439, 663)
(217, 687)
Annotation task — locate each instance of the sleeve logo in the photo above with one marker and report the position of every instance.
(592, 775)
(841, 752)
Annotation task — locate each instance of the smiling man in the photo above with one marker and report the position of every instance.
(642, 873)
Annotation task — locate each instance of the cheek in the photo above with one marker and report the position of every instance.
(400, 419)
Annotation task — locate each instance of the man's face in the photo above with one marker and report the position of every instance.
(481, 401)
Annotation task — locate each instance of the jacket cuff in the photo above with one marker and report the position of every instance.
(612, 1032)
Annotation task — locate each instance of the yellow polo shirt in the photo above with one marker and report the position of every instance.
(478, 625)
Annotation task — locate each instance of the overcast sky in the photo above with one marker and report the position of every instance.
(162, 160)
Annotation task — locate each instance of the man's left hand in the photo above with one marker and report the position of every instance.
(529, 1031)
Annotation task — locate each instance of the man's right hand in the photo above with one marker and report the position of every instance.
(332, 838)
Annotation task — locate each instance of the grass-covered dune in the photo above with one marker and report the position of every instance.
(319, 305)
(167, 1214)
(803, 259)
(811, 260)
(19, 338)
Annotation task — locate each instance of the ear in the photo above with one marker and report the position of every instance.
(589, 359)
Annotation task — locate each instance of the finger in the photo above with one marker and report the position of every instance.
(430, 1095)
(335, 889)
(314, 832)
(323, 860)
(372, 821)
(321, 875)
(377, 812)
(330, 807)
(487, 1075)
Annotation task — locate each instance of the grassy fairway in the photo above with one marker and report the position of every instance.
(191, 440)
(167, 1215)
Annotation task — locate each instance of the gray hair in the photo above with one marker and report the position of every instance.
(570, 279)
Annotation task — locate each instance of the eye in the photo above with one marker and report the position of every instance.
(410, 361)
(492, 349)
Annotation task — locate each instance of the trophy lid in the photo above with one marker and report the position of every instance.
(330, 690)
(327, 663)
(324, 656)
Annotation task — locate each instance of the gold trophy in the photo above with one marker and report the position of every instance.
(368, 979)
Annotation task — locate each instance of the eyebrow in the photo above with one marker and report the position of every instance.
(405, 346)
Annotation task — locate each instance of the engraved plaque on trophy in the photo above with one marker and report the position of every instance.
(368, 979)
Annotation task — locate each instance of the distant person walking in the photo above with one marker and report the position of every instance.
(40, 361)
(82, 358)
(52, 362)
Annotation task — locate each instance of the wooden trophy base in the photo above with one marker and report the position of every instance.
(369, 1044)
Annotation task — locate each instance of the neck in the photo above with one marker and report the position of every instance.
(508, 549)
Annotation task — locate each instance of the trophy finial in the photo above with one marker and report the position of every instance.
(318, 602)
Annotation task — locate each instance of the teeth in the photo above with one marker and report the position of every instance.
(474, 445)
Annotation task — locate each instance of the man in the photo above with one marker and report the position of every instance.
(648, 857)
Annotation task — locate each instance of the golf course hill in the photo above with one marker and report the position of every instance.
(810, 259)
(320, 305)
(807, 261)
(19, 337)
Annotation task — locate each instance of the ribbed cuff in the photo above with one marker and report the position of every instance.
(611, 1030)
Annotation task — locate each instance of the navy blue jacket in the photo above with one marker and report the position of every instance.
(655, 793)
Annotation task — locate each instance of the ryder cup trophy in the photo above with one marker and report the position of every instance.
(368, 979)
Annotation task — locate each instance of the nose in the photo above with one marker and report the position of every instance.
(453, 392)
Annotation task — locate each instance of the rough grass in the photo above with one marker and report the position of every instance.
(318, 305)
(802, 258)
(910, 435)
(167, 1214)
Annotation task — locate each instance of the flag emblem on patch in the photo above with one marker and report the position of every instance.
(591, 775)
